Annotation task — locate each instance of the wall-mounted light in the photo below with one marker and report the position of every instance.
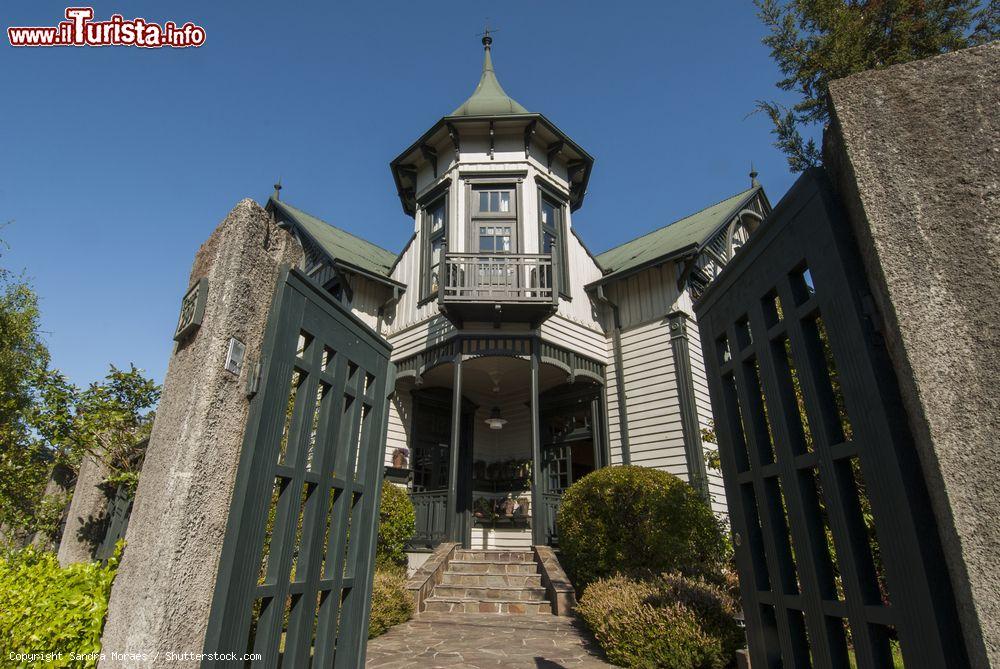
(496, 421)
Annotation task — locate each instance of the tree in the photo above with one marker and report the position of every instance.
(23, 359)
(48, 424)
(817, 41)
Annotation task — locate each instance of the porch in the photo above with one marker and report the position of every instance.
(498, 426)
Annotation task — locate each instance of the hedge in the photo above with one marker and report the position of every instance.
(635, 521)
(392, 603)
(397, 523)
(669, 622)
(50, 608)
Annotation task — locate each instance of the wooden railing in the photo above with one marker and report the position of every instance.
(500, 277)
(548, 512)
(430, 509)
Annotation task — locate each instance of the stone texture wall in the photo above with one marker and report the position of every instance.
(86, 509)
(163, 593)
(915, 151)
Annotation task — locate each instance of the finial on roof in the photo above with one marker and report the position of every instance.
(487, 39)
(489, 98)
(753, 177)
(277, 190)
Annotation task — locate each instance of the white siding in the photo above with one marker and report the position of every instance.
(704, 404)
(505, 539)
(366, 299)
(400, 413)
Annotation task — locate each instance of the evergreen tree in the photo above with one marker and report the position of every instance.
(817, 41)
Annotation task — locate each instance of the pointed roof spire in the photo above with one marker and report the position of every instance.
(277, 190)
(753, 177)
(489, 98)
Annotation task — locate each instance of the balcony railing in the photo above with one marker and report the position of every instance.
(526, 278)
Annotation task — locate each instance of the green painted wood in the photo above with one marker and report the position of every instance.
(296, 570)
(809, 447)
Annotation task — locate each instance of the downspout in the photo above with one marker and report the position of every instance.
(616, 341)
(690, 427)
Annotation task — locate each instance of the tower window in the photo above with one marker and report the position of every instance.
(552, 238)
(435, 226)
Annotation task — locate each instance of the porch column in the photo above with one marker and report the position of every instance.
(538, 529)
(453, 527)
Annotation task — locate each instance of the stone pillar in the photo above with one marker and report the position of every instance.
(163, 592)
(914, 150)
(87, 508)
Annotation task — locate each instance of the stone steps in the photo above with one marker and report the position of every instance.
(490, 581)
(513, 594)
(459, 605)
(494, 555)
(481, 567)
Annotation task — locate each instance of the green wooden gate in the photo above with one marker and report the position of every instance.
(838, 553)
(297, 562)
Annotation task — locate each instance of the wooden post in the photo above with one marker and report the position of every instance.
(453, 526)
(538, 519)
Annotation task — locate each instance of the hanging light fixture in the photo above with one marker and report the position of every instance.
(496, 421)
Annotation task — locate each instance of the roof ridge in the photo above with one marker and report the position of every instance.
(678, 220)
(346, 232)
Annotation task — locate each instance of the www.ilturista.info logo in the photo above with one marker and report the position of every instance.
(81, 30)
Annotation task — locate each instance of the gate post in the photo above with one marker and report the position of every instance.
(162, 595)
(913, 152)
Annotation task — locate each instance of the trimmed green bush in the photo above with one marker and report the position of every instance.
(635, 520)
(48, 608)
(668, 622)
(391, 601)
(397, 523)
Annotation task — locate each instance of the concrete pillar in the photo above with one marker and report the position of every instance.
(163, 593)
(86, 511)
(913, 150)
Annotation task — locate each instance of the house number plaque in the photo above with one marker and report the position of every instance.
(192, 309)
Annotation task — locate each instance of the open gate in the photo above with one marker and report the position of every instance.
(297, 563)
(837, 549)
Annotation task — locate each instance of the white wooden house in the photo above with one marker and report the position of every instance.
(523, 357)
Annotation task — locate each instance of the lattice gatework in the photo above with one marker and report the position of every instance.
(295, 578)
(839, 558)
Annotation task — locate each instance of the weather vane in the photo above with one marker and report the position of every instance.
(487, 33)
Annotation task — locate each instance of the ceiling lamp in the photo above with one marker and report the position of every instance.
(496, 421)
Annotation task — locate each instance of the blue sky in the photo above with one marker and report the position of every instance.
(116, 163)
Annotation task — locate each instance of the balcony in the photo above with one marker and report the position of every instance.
(497, 287)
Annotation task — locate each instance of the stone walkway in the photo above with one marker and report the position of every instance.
(484, 640)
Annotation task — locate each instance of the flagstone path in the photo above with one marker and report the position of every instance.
(485, 640)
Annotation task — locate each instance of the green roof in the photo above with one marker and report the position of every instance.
(693, 230)
(489, 98)
(340, 244)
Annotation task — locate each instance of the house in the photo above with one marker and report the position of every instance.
(521, 356)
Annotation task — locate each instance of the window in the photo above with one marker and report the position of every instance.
(551, 236)
(494, 201)
(494, 238)
(435, 225)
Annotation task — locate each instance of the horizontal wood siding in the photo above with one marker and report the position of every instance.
(398, 432)
(576, 337)
(704, 405)
(656, 438)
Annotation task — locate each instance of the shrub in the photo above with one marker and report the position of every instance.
(392, 603)
(397, 523)
(635, 521)
(49, 608)
(669, 621)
